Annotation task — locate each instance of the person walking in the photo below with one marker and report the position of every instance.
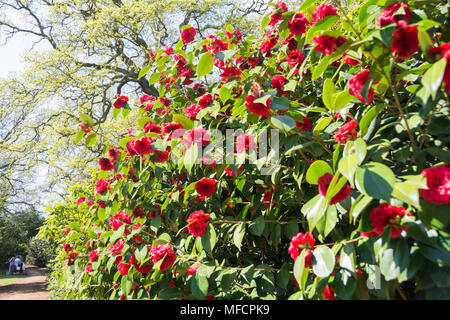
(11, 264)
(18, 264)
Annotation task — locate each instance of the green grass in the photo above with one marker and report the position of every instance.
(5, 279)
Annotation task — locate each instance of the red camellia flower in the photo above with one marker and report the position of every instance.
(327, 44)
(123, 268)
(120, 102)
(324, 183)
(205, 100)
(71, 258)
(116, 248)
(191, 111)
(295, 57)
(302, 241)
(258, 108)
(438, 183)
(188, 35)
(88, 269)
(328, 293)
(356, 83)
(297, 25)
(305, 125)
(205, 187)
(349, 60)
(143, 146)
(406, 41)
(322, 11)
(101, 185)
(105, 164)
(230, 72)
(278, 81)
(229, 172)
(67, 247)
(280, 7)
(346, 132)
(162, 156)
(268, 45)
(245, 142)
(93, 255)
(151, 127)
(197, 223)
(163, 251)
(193, 269)
(81, 200)
(200, 136)
(169, 128)
(119, 219)
(386, 215)
(388, 15)
(215, 45)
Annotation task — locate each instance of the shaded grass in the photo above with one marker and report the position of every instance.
(5, 279)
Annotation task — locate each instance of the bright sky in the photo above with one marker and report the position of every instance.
(11, 53)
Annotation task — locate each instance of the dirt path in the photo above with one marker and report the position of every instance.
(30, 287)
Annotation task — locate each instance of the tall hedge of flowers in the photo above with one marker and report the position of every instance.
(357, 205)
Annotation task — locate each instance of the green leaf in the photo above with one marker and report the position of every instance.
(183, 120)
(91, 139)
(300, 272)
(224, 93)
(321, 67)
(394, 258)
(154, 78)
(375, 180)
(323, 261)
(344, 284)
(282, 277)
(279, 103)
(306, 4)
(257, 226)
(347, 166)
(284, 123)
(86, 119)
(406, 193)
(199, 285)
(321, 125)
(314, 209)
(209, 239)
(79, 136)
(433, 78)
(317, 169)
(328, 221)
(238, 235)
(205, 64)
(143, 71)
(116, 112)
(342, 99)
(328, 92)
(323, 24)
(368, 117)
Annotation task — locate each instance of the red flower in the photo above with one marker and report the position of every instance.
(205, 100)
(346, 132)
(71, 258)
(143, 146)
(278, 81)
(145, 268)
(119, 219)
(169, 128)
(93, 255)
(327, 44)
(116, 248)
(168, 50)
(388, 15)
(123, 268)
(81, 200)
(230, 172)
(386, 215)
(297, 25)
(356, 83)
(324, 183)
(258, 108)
(280, 7)
(197, 223)
(268, 45)
(245, 142)
(100, 186)
(349, 60)
(295, 57)
(438, 183)
(322, 11)
(67, 247)
(139, 212)
(151, 127)
(328, 293)
(105, 164)
(188, 35)
(193, 269)
(302, 241)
(88, 269)
(406, 41)
(162, 156)
(304, 126)
(215, 45)
(200, 136)
(120, 102)
(163, 251)
(191, 111)
(230, 72)
(205, 187)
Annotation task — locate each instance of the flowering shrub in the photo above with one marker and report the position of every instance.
(356, 206)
